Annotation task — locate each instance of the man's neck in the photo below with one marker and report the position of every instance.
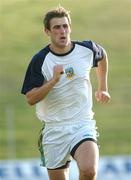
(61, 50)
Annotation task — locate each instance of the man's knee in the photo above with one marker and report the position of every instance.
(88, 172)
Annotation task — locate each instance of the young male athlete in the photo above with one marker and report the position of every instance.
(57, 81)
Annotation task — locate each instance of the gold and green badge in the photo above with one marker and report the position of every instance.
(69, 72)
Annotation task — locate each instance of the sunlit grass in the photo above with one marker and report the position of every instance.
(21, 36)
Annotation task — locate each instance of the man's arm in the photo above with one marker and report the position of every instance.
(102, 94)
(37, 94)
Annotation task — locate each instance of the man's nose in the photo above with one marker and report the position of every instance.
(62, 29)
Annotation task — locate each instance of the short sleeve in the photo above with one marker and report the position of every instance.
(98, 53)
(33, 77)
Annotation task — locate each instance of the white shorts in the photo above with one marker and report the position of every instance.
(59, 141)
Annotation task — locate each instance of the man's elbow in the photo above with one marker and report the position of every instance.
(29, 99)
(30, 102)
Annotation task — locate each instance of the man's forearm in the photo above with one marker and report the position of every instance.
(37, 94)
(102, 72)
(102, 95)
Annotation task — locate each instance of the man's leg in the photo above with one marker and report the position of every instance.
(59, 174)
(87, 156)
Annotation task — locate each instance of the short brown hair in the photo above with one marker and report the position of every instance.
(57, 12)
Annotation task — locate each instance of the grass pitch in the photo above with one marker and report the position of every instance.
(107, 22)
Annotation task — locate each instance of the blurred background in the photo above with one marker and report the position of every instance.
(106, 22)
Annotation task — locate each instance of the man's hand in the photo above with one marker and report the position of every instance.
(58, 71)
(102, 96)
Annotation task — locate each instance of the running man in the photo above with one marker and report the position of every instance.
(57, 81)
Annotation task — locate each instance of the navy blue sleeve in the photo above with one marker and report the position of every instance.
(98, 53)
(34, 77)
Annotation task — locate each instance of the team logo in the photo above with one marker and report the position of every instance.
(69, 72)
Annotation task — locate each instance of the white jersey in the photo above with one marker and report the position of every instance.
(71, 98)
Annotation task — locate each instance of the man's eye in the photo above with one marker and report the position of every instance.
(65, 26)
(57, 27)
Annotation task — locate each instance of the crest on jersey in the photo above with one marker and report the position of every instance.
(69, 72)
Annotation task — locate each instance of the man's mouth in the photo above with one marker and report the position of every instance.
(63, 37)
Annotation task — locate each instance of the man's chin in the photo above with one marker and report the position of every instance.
(63, 44)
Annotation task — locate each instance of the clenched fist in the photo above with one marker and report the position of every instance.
(102, 96)
(58, 71)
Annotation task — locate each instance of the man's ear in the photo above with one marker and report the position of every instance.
(47, 31)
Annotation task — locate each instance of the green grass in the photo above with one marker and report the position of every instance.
(107, 22)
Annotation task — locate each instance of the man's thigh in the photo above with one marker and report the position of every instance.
(87, 156)
(59, 174)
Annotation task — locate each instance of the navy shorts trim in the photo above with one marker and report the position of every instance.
(79, 143)
(62, 167)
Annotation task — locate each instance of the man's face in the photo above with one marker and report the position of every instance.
(59, 32)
